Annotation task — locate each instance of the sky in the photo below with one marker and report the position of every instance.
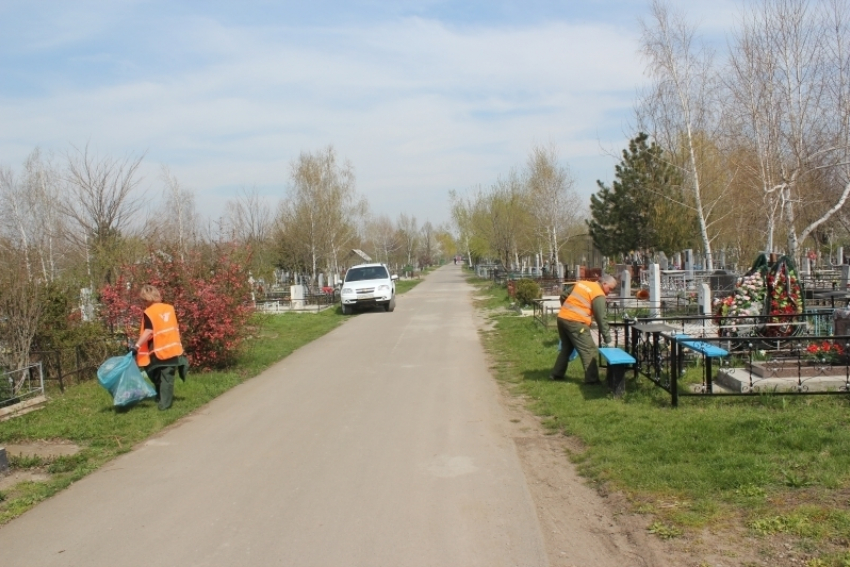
(421, 97)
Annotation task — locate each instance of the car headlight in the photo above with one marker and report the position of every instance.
(347, 290)
(383, 287)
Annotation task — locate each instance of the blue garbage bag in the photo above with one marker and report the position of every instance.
(121, 377)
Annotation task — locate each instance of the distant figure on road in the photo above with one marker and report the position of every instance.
(158, 350)
(585, 303)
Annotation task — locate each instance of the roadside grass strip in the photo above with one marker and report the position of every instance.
(773, 464)
(85, 416)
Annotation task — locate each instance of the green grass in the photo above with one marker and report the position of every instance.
(85, 416)
(782, 463)
(402, 286)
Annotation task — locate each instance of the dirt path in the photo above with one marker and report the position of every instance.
(580, 527)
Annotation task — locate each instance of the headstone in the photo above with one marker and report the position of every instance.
(577, 273)
(840, 255)
(297, 294)
(625, 287)
(662, 260)
(321, 281)
(723, 259)
(4, 462)
(86, 304)
(705, 307)
(722, 282)
(654, 291)
(689, 263)
(841, 323)
(845, 277)
(677, 260)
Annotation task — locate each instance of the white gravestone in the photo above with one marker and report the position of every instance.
(654, 291)
(705, 299)
(297, 294)
(625, 288)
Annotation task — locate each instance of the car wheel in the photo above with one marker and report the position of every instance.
(346, 310)
(391, 305)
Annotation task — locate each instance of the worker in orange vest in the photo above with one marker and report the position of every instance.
(581, 307)
(158, 350)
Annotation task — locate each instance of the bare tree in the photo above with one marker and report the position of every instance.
(21, 306)
(679, 107)
(16, 215)
(509, 216)
(555, 205)
(178, 220)
(409, 233)
(322, 213)
(43, 186)
(790, 70)
(101, 203)
(427, 244)
(102, 200)
(249, 217)
(472, 221)
(383, 235)
(29, 214)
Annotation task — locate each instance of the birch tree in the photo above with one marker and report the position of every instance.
(679, 106)
(510, 218)
(323, 212)
(427, 244)
(789, 82)
(16, 214)
(30, 216)
(43, 185)
(472, 224)
(554, 203)
(408, 230)
(177, 220)
(384, 238)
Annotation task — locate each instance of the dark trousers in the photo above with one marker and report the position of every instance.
(163, 380)
(576, 336)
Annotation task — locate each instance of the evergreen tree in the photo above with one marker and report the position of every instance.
(644, 209)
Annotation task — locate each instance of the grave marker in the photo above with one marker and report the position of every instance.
(705, 307)
(654, 291)
(625, 287)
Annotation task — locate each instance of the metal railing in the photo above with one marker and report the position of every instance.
(20, 385)
(763, 355)
(285, 304)
(77, 364)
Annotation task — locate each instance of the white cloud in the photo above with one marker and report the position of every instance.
(418, 106)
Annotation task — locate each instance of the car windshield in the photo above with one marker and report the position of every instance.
(366, 273)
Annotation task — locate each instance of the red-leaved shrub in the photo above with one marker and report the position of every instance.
(211, 299)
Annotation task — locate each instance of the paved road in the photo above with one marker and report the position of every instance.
(381, 444)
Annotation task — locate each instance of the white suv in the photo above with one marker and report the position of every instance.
(368, 285)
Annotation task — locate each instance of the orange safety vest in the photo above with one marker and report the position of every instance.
(577, 307)
(166, 334)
